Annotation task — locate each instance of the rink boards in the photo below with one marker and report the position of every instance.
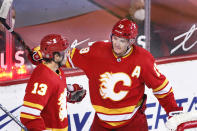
(182, 76)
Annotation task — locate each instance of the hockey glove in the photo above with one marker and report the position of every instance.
(187, 125)
(36, 56)
(178, 118)
(76, 93)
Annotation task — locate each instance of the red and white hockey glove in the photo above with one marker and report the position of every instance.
(76, 93)
(178, 119)
(187, 125)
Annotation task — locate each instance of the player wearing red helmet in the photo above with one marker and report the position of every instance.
(50, 44)
(123, 36)
(126, 29)
(117, 72)
(45, 100)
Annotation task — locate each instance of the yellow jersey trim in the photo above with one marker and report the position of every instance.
(125, 55)
(113, 111)
(38, 106)
(28, 116)
(54, 129)
(116, 123)
(128, 53)
(162, 96)
(72, 53)
(123, 110)
(36, 48)
(71, 56)
(67, 64)
(161, 86)
(40, 54)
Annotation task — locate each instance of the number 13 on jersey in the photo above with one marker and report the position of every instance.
(39, 89)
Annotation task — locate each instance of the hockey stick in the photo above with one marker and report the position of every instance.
(13, 117)
(3, 15)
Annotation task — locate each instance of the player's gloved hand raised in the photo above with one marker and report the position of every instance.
(76, 93)
(36, 56)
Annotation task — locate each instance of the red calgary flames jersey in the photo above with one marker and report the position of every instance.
(117, 84)
(45, 101)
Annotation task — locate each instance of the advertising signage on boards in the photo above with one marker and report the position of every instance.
(173, 28)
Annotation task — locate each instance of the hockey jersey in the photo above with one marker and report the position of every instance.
(116, 84)
(45, 101)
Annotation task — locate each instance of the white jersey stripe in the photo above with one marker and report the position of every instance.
(31, 111)
(115, 118)
(164, 90)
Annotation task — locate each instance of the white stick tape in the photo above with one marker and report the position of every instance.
(5, 8)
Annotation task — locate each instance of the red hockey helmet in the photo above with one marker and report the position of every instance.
(52, 43)
(126, 29)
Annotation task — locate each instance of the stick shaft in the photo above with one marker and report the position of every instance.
(13, 117)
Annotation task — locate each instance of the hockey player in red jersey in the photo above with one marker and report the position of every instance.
(117, 72)
(45, 97)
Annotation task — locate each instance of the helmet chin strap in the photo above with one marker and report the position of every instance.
(127, 51)
(129, 47)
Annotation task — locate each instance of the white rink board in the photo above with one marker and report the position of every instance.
(182, 76)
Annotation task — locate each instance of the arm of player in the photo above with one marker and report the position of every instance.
(36, 56)
(35, 99)
(76, 93)
(31, 116)
(160, 85)
(169, 103)
(164, 93)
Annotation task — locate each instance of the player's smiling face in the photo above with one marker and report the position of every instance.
(120, 45)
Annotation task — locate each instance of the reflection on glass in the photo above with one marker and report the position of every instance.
(14, 64)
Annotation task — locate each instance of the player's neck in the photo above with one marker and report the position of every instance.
(52, 65)
(126, 52)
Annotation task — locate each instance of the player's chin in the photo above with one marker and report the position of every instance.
(117, 52)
